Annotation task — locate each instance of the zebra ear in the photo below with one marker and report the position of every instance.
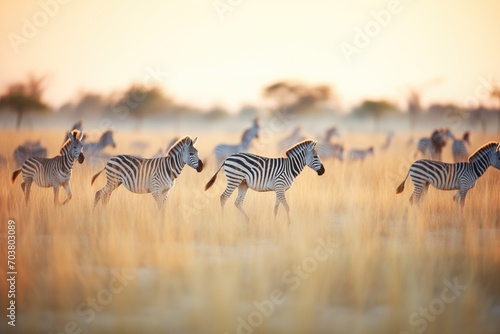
(70, 135)
(313, 144)
(195, 140)
(81, 136)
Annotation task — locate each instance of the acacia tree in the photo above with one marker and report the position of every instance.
(376, 109)
(24, 97)
(297, 97)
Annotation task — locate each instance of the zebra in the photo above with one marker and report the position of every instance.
(162, 153)
(54, 172)
(329, 150)
(458, 149)
(77, 126)
(388, 141)
(360, 154)
(97, 147)
(155, 176)
(28, 150)
(433, 146)
(246, 170)
(294, 137)
(460, 176)
(222, 151)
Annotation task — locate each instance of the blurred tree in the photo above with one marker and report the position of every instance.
(216, 113)
(248, 112)
(141, 101)
(414, 108)
(495, 93)
(24, 97)
(91, 102)
(376, 109)
(296, 97)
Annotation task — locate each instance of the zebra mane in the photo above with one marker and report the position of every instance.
(76, 134)
(485, 148)
(298, 147)
(178, 145)
(107, 133)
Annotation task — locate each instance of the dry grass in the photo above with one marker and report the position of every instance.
(195, 272)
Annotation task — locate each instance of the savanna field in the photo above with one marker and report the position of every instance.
(356, 258)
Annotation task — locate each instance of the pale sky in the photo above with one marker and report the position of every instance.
(101, 46)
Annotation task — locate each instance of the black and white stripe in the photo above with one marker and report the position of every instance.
(156, 176)
(360, 154)
(28, 150)
(330, 150)
(245, 170)
(97, 147)
(460, 176)
(54, 172)
(458, 149)
(222, 151)
(431, 148)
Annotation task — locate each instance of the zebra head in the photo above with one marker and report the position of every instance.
(495, 160)
(107, 139)
(73, 146)
(188, 153)
(312, 158)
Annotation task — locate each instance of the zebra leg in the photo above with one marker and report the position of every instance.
(280, 198)
(105, 192)
(68, 191)
(242, 190)
(460, 197)
(225, 195)
(419, 192)
(160, 198)
(56, 195)
(27, 188)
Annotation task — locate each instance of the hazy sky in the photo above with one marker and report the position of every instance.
(225, 58)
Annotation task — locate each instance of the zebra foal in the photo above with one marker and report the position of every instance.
(156, 176)
(245, 170)
(460, 176)
(54, 172)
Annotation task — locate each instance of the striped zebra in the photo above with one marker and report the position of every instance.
(54, 172)
(222, 151)
(155, 176)
(97, 147)
(77, 126)
(360, 154)
(294, 137)
(460, 176)
(432, 147)
(329, 150)
(245, 170)
(29, 149)
(458, 149)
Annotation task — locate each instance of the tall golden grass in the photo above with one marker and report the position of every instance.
(188, 269)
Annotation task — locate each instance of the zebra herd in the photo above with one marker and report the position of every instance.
(245, 170)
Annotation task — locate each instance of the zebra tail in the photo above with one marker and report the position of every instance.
(402, 185)
(15, 174)
(212, 180)
(95, 176)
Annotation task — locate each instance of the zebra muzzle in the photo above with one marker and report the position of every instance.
(81, 158)
(321, 171)
(200, 166)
